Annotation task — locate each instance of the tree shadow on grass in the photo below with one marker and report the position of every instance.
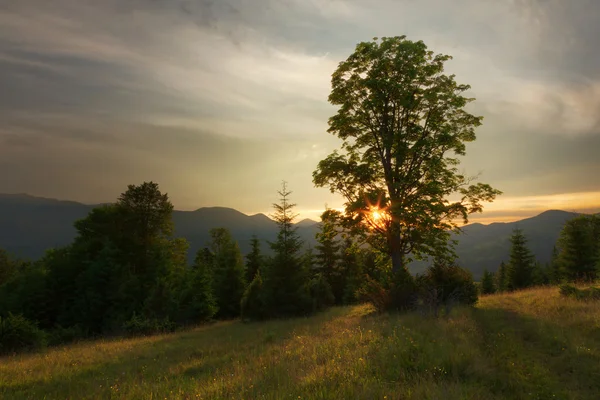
(540, 359)
(192, 356)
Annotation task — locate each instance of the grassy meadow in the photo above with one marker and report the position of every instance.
(525, 345)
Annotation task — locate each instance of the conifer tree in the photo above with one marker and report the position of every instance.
(578, 248)
(488, 285)
(328, 257)
(351, 270)
(228, 273)
(284, 286)
(501, 278)
(522, 262)
(254, 259)
(195, 298)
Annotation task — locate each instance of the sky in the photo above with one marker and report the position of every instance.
(220, 100)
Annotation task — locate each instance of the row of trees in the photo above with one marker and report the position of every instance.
(125, 272)
(575, 258)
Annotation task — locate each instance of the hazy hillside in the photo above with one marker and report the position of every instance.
(531, 344)
(29, 225)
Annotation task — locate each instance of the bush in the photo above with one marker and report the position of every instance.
(18, 333)
(589, 294)
(375, 292)
(445, 285)
(141, 326)
(252, 306)
(60, 335)
(320, 293)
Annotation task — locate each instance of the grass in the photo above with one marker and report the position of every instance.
(527, 345)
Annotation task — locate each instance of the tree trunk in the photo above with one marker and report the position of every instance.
(396, 253)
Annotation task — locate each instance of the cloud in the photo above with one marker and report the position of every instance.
(214, 96)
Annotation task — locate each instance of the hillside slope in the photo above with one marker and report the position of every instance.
(527, 345)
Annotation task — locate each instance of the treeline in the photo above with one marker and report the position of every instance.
(575, 258)
(125, 273)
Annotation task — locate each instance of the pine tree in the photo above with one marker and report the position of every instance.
(578, 243)
(488, 285)
(285, 280)
(501, 278)
(522, 262)
(351, 270)
(553, 268)
(196, 301)
(328, 257)
(228, 274)
(254, 259)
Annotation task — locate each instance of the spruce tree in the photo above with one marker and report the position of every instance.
(284, 288)
(522, 262)
(228, 273)
(328, 257)
(488, 285)
(352, 271)
(578, 243)
(501, 278)
(254, 259)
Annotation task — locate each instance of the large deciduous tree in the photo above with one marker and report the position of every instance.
(403, 124)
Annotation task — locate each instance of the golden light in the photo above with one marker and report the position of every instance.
(376, 215)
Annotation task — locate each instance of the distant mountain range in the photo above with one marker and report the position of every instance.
(29, 225)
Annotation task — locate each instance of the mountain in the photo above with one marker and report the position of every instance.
(486, 246)
(29, 225)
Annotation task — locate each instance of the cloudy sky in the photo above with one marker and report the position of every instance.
(220, 100)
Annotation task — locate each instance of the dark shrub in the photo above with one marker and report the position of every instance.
(141, 326)
(252, 306)
(445, 285)
(591, 293)
(18, 333)
(60, 335)
(320, 293)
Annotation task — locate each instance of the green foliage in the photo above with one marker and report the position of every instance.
(195, 300)
(141, 326)
(447, 285)
(352, 271)
(252, 306)
(488, 285)
(8, 266)
(26, 293)
(254, 259)
(578, 249)
(587, 294)
(320, 293)
(17, 333)
(229, 280)
(520, 272)
(402, 122)
(61, 335)
(502, 278)
(285, 278)
(375, 292)
(328, 258)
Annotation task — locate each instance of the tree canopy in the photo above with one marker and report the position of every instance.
(403, 124)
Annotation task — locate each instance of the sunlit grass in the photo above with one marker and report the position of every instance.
(526, 345)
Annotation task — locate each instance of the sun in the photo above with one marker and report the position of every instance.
(376, 215)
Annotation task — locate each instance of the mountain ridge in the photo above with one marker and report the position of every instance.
(29, 225)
